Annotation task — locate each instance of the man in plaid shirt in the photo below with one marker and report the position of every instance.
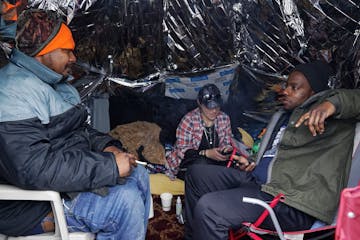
(202, 136)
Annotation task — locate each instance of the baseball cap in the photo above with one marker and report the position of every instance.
(210, 96)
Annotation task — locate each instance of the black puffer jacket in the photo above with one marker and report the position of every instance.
(65, 155)
(48, 159)
(45, 142)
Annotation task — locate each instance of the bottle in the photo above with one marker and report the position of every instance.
(178, 206)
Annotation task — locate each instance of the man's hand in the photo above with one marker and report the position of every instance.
(315, 118)
(124, 161)
(215, 153)
(112, 149)
(244, 164)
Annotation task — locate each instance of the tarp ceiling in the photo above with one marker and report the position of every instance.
(267, 36)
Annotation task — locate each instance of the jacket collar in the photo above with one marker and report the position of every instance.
(314, 98)
(7, 30)
(32, 65)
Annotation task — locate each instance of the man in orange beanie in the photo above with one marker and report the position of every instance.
(46, 143)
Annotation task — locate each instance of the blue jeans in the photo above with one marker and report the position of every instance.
(122, 214)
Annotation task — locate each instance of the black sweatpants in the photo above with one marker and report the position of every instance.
(213, 203)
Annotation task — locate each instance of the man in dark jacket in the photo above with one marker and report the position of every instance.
(305, 154)
(46, 143)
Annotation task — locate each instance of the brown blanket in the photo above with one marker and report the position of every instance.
(146, 134)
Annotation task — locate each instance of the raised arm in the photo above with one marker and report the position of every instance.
(341, 104)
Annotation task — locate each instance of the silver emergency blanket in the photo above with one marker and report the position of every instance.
(64, 7)
(266, 37)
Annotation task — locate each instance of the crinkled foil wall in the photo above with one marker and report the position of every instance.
(267, 37)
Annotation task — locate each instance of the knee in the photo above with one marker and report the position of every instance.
(141, 171)
(204, 207)
(128, 209)
(127, 199)
(193, 171)
(140, 174)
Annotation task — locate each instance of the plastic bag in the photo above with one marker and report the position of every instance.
(348, 221)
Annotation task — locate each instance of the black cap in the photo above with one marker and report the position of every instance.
(317, 73)
(209, 96)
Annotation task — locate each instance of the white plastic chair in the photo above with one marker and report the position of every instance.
(9, 192)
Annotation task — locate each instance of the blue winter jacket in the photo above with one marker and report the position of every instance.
(45, 142)
(7, 30)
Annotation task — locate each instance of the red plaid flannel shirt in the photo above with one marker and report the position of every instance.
(188, 136)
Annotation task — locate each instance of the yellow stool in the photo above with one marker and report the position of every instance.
(160, 183)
